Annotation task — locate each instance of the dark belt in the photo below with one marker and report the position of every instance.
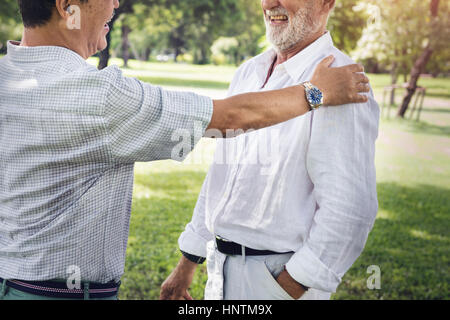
(235, 249)
(57, 289)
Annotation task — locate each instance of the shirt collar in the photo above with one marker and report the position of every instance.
(319, 49)
(296, 65)
(42, 54)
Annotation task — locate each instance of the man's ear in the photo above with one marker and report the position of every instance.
(328, 5)
(61, 8)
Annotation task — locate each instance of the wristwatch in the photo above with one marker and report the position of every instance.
(313, 95)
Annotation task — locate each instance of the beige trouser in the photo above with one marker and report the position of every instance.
(249, 278)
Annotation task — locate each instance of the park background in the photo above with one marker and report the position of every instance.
(196, 45)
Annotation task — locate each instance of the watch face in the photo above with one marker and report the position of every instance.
(315, 96)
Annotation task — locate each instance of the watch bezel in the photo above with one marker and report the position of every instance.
(314, 95)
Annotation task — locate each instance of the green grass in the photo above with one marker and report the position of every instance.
(177, 74)
(410, 239)
(436, 87)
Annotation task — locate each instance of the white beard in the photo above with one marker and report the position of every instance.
(299, 27)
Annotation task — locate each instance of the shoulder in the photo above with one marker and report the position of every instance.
(341, 59)
(368, 111)
(112, 80)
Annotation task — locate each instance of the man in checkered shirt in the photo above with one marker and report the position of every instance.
(70, 135)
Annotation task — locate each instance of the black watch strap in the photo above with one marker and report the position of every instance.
(193, 258)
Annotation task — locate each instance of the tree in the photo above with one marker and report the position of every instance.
(346, 24)
(396, 37)
(126, 6)
(421, 62)
(10, 26)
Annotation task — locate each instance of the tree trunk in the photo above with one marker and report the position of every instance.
(105, 55)
(125, 44)
(419, 65)
(147, 53)
(126, 6)
(394, 79)
(417, 70)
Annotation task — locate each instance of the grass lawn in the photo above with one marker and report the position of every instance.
(409, 242)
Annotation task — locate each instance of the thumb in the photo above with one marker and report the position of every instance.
(327, 62)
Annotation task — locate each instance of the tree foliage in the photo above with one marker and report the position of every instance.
(10, 27)
(398, 31)
(346, 24)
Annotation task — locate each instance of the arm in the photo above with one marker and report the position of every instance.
(264, 109)
(146, 123)
(340, 162)
(175, 287)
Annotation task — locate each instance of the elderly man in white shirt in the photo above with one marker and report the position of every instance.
(285, 212)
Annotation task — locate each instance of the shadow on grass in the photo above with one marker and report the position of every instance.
(420, 127)
(437, 110)
(409, 242)
(428, 128)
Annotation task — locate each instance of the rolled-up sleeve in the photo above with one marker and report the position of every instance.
(196, 235)
(340, 162)
(146, 123)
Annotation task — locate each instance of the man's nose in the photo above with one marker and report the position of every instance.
(116, 4)
(269, 4)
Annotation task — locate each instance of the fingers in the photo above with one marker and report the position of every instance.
(187, 296)
(327, 62)
(359, 77)
(171, 294)
(355, 67)
(359, 98)
(362, 87)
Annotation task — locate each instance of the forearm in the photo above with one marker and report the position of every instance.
(264, 109)
(259, 110)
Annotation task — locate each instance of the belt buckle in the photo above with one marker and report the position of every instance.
(222, 239)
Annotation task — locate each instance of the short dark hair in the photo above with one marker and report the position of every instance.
(37, 13)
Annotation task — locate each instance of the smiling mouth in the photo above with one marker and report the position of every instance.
(278, 18)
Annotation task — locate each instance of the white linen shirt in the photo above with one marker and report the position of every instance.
(306, 185)
(69, 137)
